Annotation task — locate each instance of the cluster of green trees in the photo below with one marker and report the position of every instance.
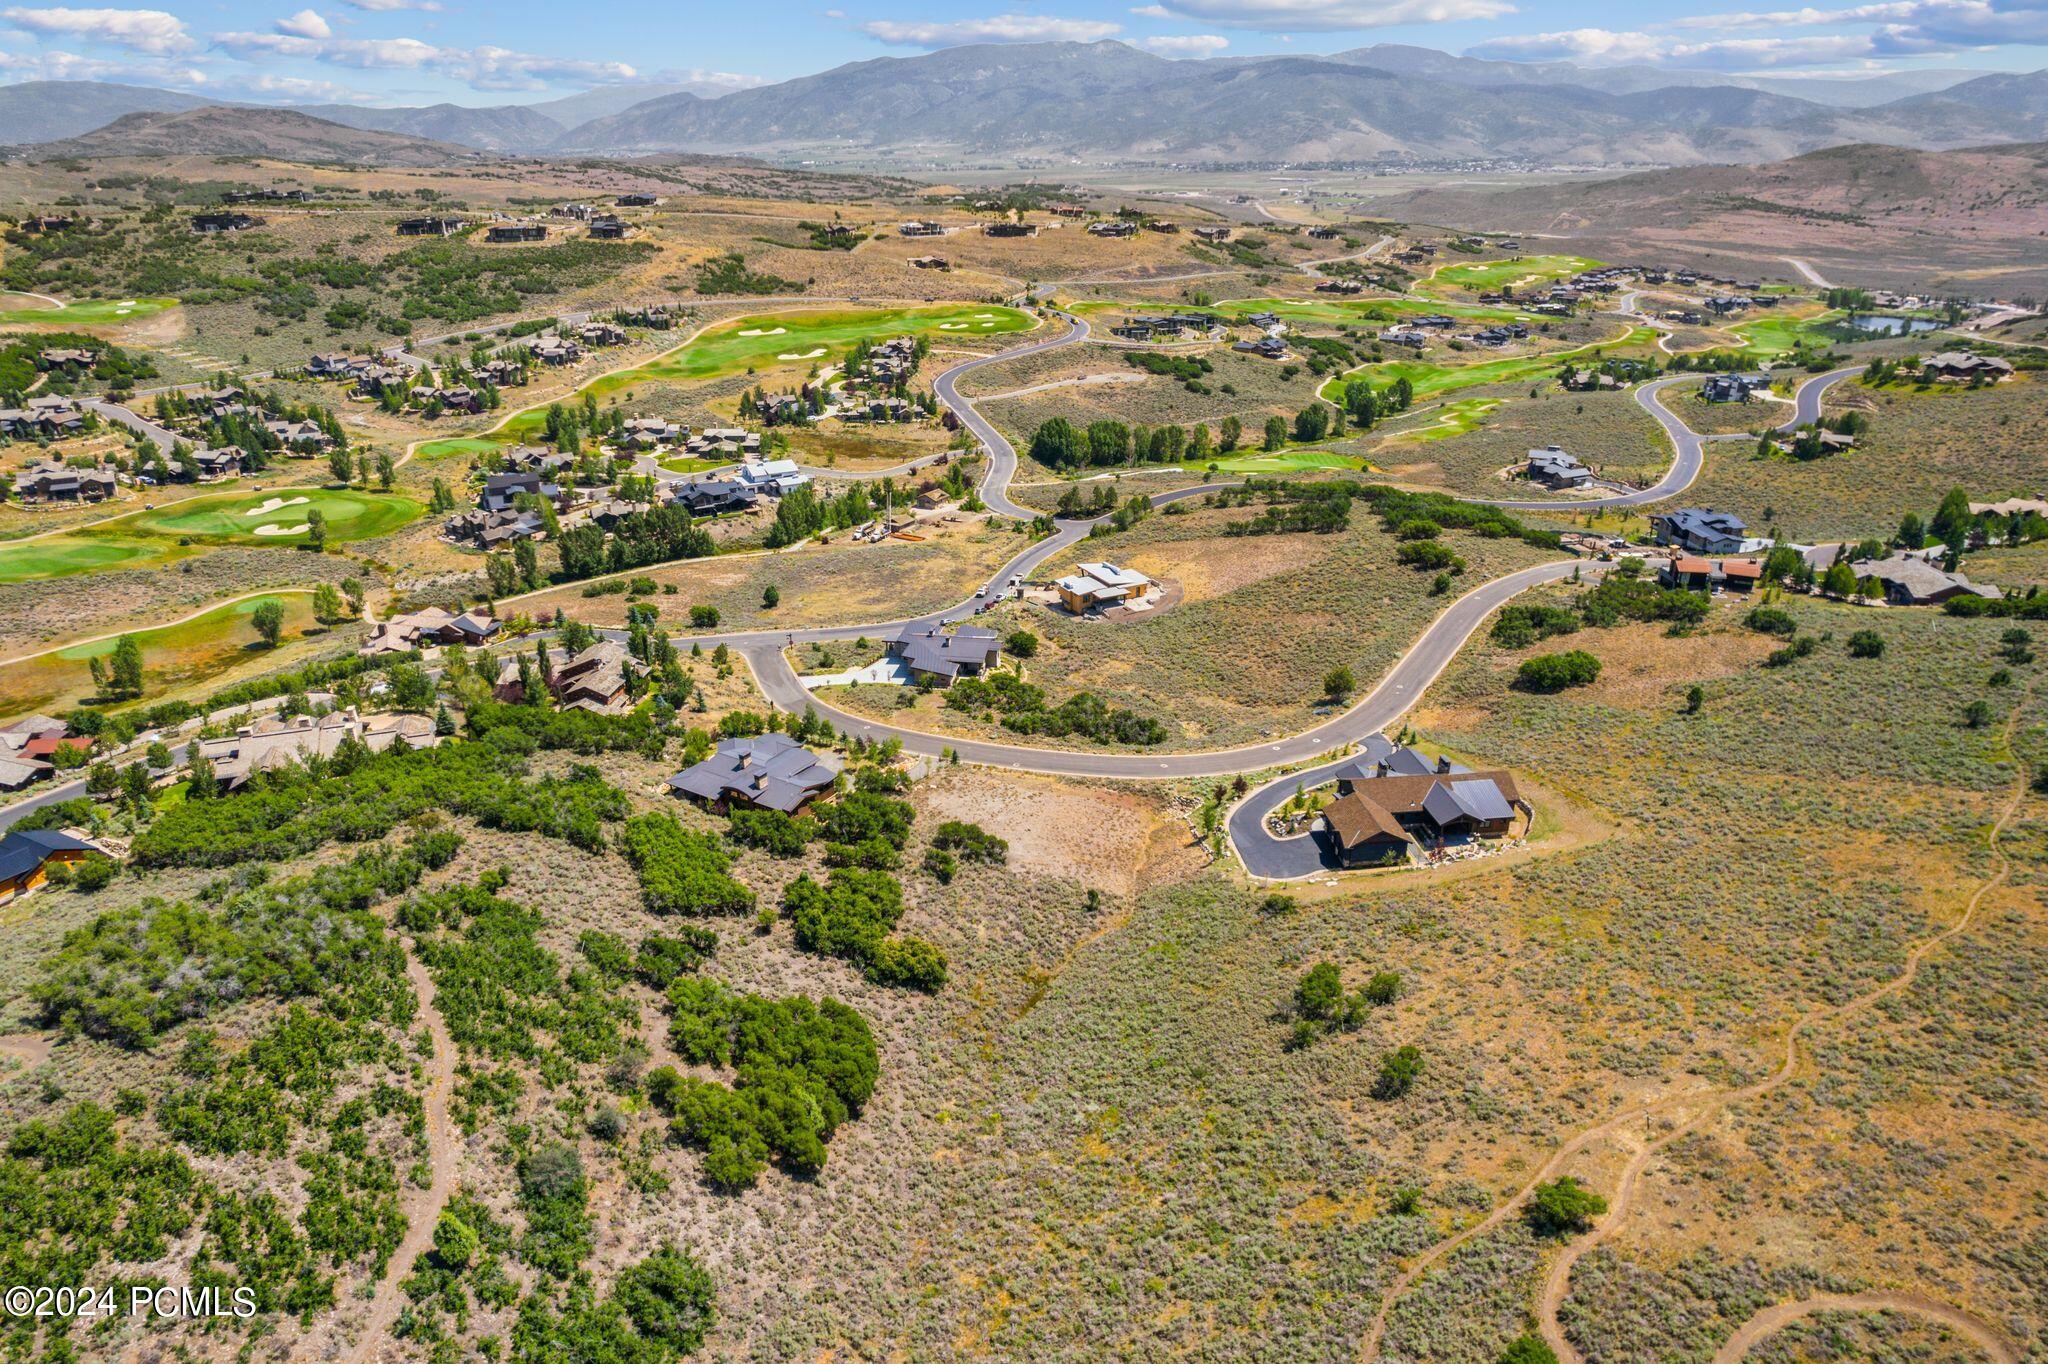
(800, 1069)
(1321, 1005)
(1518, 626)
(851, 915)
(958, 841)
(682, 871)
(1318, 508)
(1557, 672)
(1624, 596)
(657, 535)
(1059, 444)
(113, 366)
(1188, 369)
(801, 513)
(452, 280)
(1023, 708)
(730, 274)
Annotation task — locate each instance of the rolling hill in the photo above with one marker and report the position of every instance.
(43, 111)
(279, 134)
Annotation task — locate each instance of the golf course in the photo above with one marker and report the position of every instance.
(1431, 380)
(808, 338)
(89, 313)
(1517, 272)
(149, 536)
(200, 651)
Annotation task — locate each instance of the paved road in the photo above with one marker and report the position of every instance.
(1002, 464)
(164, 437)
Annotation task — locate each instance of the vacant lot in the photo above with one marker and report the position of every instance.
(1463, 451)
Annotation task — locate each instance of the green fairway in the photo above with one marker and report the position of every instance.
(1519, 272)
(1342, 312)
(1286, 462)
(769, 340)
(1767, 338)
(90, 313)
(451, 446)
(171, 532)
(1454, 418)
(197, 651)
(1430, 379)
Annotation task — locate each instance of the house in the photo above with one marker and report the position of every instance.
(430, 628)
(502, 374)
(770, 772)
(18, 766)
(374, 380)
(461, 398)
(491, 530)
(601, 334)
(1732, 388)
(18, 771)
(553, 350)
(1006, 229)
(1702, 532)
(1583, 380)
(1830, 442)
(1340, 286)
(650, 433)
(48, 224)
(209, 223)
(637, 200)
(516, 232)
(1554, 468)
(1386, 807)
(1068, 210)
(2011, 506)
(931, 262)
(272, 742)
(609, 229)
(931, 655)
(593, 680)
(1098, 587)
(430, 227)
(43, 418)
(1113, 229)
(501, 492)
(219, 402)
(303, 437)
(921, 228)
(1266, 347)
(772, 476)
(724, 440)
(216, 464)
(26, 856)
(336, 365)
(1401, 334)
(714, 497)
(65, 359)
(1961, 367)
(1322, 234)
(1213, 234)
(1911, 581)
(60, 483)
(1695, 574)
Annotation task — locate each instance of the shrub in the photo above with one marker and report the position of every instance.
(1429, 555)
(1557, 672)
(1517, 627)
(772, 831)
(972, 842)
(1561, 1207)
(1021, 643)
(669, 1299)
(1791, 653)
(1528, 1348)
(1319, 993)
(1769, 620)
(682, 872)
(1398, 1071)
(1866, 644)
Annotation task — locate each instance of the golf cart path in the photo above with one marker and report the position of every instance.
(160, 625)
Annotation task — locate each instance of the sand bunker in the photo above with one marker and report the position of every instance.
(299, 529)
(979, 316)
(274, 504)
(762, 331)
(807, 355)
(952, 326)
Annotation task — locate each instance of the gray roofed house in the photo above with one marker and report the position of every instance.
(1701, 531)
(1912, 581)
(771, 772)
(929, 653)
(593, 680)
(1554, 468)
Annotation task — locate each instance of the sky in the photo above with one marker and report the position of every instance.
(521, 51)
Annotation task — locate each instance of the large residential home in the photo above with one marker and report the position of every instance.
(1554, 468)
(218, 463)
(19, 766)
(714, 496)
(502, 491)
(637, 200)
(1961, 367)
(2011, 506)
(60, 483)
(65, 358)
(929, 654)
(931, 262)
(1702, 532)
(1733, 388)
(49, 417)
(1009, 229)
(772, 772)
(26, 857)
(921, 228)
(1113, 229)
(649, 433)
(502, 373)
(1392, 801)
(516, 232)
(1098, 587)
(723, 440)
(1909, 580)
(593, 680)
(302, 437)
(207, 224)
(431, 227)
(429, 629)
(1696, 574)
(493, 529)
(272, 742)
(601, 334)
(609, 229)
(772, 476)
(554, 350)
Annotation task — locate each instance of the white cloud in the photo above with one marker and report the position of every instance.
(297, 88)
(70, 66)
(724, 82)
(144, 30)
(482, 68)
(1152, 12)
(305, 24)
(387, 6)
(1187, 44)
(1001, 28)
(1325, 16)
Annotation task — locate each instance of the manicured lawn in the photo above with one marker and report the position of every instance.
(1353, 312)
(199, 651)
(1770, 337)
(1519, 271)
(90, 313)
(1287, 462)
(451, 446)
(1431, 379)
(147, 537)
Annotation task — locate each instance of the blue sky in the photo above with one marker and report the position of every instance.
(468, 51)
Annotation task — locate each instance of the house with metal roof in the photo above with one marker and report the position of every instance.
(1703, 532)
(930, 654)
(772, 476)
(769, 772)
(1097, 587)
(1554, 468)
(1909, 580)
(26, 856)
(1393, 800)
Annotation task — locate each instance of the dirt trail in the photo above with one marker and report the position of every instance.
(424, 1205)
(1774, 1319)
(1693, 1109)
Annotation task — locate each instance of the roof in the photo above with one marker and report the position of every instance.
(22, 853)
(1112, 576)
(928, 650)
(1918, 579)
(772, 771)
(1354, 819)
(1709, 524)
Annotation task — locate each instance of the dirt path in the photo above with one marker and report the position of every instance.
(1774, 1319)
(1691, 1110)
(30, 1049)
(424, 1206)
(116, 634)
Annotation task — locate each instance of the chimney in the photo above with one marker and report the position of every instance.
(1443, 765)
(1384, 768)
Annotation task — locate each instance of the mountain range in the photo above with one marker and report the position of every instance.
(1110, 101)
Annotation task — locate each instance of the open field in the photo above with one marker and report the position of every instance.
(200, 654)
(276, 517)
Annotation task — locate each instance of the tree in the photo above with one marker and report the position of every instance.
(1528, 1348)
(411, 687)
(1231, 435)
(200, 783)
(316, 530)
(268, 619)
(1056, 444)
(340, 464)
(771, 597)
(1339, 683)
(1021, 643)
(1839, 580)
(1319, 993)
(1398, 1071)
(1562, 1206)
(327, 603)
(670, 1300)
(1695, 697)
(526, 562)
(1866, 644)
(1912, 532)
(455, 1242)
(1556, 672)
(1952, 522)
(125, 670)
(387, 470)
(1276, 433)
(1977, 714)
(1312, 423)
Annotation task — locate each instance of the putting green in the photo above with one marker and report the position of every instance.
(1518, 271)
(1767, 338)
(148, 537)
(90, 313)
(1287, 462)
(455, 445)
